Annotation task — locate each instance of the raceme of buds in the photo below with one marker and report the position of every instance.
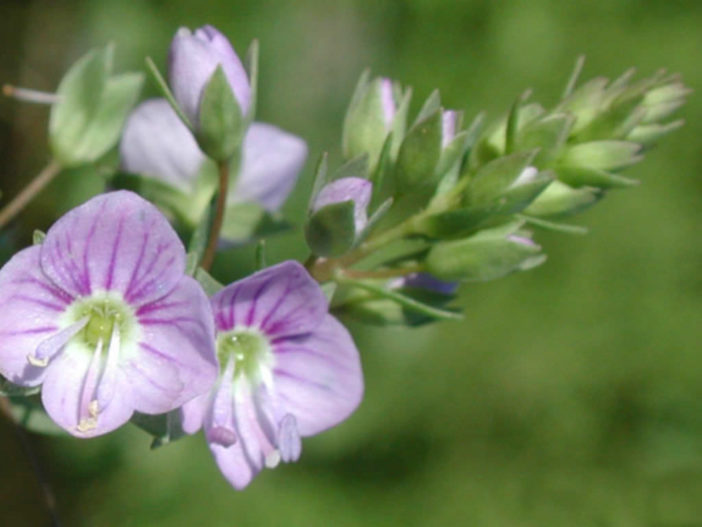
(87, 119)
(338, 216)
(377, 109)
(487, 255)
(211, 87)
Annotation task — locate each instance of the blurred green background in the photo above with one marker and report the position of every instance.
(569, 396)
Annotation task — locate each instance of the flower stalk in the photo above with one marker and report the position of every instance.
(47, 174)
(218, 220)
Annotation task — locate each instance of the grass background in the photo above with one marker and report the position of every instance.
(569, 396)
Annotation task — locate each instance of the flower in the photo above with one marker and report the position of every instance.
(157, 144)
(192, 60)
(288, 369)
(102, 316)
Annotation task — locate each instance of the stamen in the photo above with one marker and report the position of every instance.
(220, 430)
(50, 347)
(87, 404)
(108, 380)
(27, 95)
(289, 442)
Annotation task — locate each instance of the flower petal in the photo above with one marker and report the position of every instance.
(192, 413)
(280, 300)
(272, 160)
(116, 241)
(176, 357)
(67, 382)
(318, 377)
(156, 143)
(30, 307)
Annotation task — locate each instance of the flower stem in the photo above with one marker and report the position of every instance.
(21, 200)
(216, 227)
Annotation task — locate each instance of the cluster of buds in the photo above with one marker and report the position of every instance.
(453, 203)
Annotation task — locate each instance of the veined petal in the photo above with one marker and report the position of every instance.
(280, 300)
(318, 377)
(118, 242)
(30, 307)
(271, 162)
(176, 356)
(156, 143)
(68, 394)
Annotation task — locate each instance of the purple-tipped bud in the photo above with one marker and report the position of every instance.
(426, 282)
(387, 99)
(525, 177)
(353, 189)
(449, 122)
(192, 60)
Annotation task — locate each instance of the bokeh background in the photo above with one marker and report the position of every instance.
(569, 396)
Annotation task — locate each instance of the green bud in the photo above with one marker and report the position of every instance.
(377, 109)
(91, 110)
(561, 200)
(419, 155)
(221, 124)
(484, 256)
(601, 155)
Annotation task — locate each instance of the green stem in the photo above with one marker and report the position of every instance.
(21, 200)
(218, 220)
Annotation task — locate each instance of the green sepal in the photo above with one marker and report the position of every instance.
(649, 134)
(588, 177)
(331, 230)
(162, 86)
(38, 237)
(209, 284)
(487, 255)
(553, 226)
(30, 415)
(252, 69)
(260, 257)
(584, 103)
(560, 199)
(88, 119)
(9, 389)
(494, 179)
(356, 168)
(165, 428)
(221, 127)
(548, 135)
(320, 179)
(419, 155)
(601, 155)
(248, 222)
(456, 223)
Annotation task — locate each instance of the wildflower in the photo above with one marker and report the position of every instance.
(102, 316)
(288, 369)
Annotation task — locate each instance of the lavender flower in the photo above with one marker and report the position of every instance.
(288, 369)
(193, 58)
(103, 317)
(157, 144)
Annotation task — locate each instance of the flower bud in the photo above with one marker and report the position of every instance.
(561, 200)
(484, 256)
(373, 114)
(192, 61)
(339, 215)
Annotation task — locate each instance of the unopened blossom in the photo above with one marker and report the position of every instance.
(355, 189)
(449, 125)
(288, 369)
(102, 316)
(192, 60)
(157, 144)
(426, 282)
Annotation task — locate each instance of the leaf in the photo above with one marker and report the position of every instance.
(162, 86)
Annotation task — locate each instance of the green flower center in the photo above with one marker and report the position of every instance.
(250, 351)
(106, 312)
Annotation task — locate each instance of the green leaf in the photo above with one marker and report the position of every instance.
(221, 127)
(331, 230)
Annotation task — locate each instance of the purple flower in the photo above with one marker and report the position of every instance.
(156, 143)
(193, 58)
(388, 103)
(354, 189)
(288, 369)
(449, 122)
(102, 315)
